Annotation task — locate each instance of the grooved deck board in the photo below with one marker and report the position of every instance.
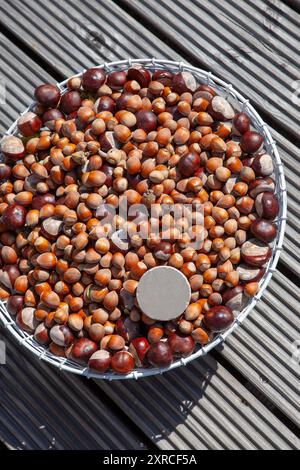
(45, 408)
(200, 406)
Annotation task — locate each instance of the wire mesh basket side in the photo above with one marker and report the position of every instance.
(239, 103)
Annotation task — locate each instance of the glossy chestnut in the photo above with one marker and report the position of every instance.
(12, 148)
(93, 79)
(160, 354)
(139, 348)
(48, 95)
(128, 329)
(218, 318)
(100, 361)
(122, 362)
(189, 164)
(70, 102)
(264, 230)
(256, 252)
(241, 123)
(182, 345)
(82, 349)
(251, 141)
(29, 123)
(14, 216)
(267, 206)
(183, 82)
(146, 120)
(61, 335)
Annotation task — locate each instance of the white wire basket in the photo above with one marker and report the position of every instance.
(239, 103)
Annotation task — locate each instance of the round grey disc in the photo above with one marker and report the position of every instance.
(163, 293)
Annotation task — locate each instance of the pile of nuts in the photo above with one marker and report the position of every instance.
(154, 139)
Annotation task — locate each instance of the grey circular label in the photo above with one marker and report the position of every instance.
(163, 293)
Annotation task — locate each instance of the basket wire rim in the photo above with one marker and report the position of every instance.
(28, 341)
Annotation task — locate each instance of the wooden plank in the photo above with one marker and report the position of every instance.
(19, 75)
(262, 349)
(199, 406)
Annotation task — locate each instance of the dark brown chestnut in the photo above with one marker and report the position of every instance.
(241, 123)
(41, 334)
(139, 348)
(146, 120)
(163, 250)
(261, 185)
(116, 80)
(29, 124)
(266, 205)
(205, 91)
(251, 142)
(39, 201)
(93, 79)
(108, 141)
(61, 335)
(122, 362)
(26, 320)
(104, 103)
(141, 75)
(220, 109)
(264, 230)
(9, 274)
(256, 252)
(126, 301)
(163, 76)
(50, 116)
(14, 217)
(263, 164)
(184, 82)
(12, 147)
(160, 354)
(48, 95)
(218, 318)
(5, 171)
(189, 163)
(15, 304)
(82, 349)
(70, 102)
(248, 273)
(234, 298)
(181, 345)
(128, 329)
(100, 361)
(108, 170)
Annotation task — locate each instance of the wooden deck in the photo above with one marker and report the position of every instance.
(246, 394)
